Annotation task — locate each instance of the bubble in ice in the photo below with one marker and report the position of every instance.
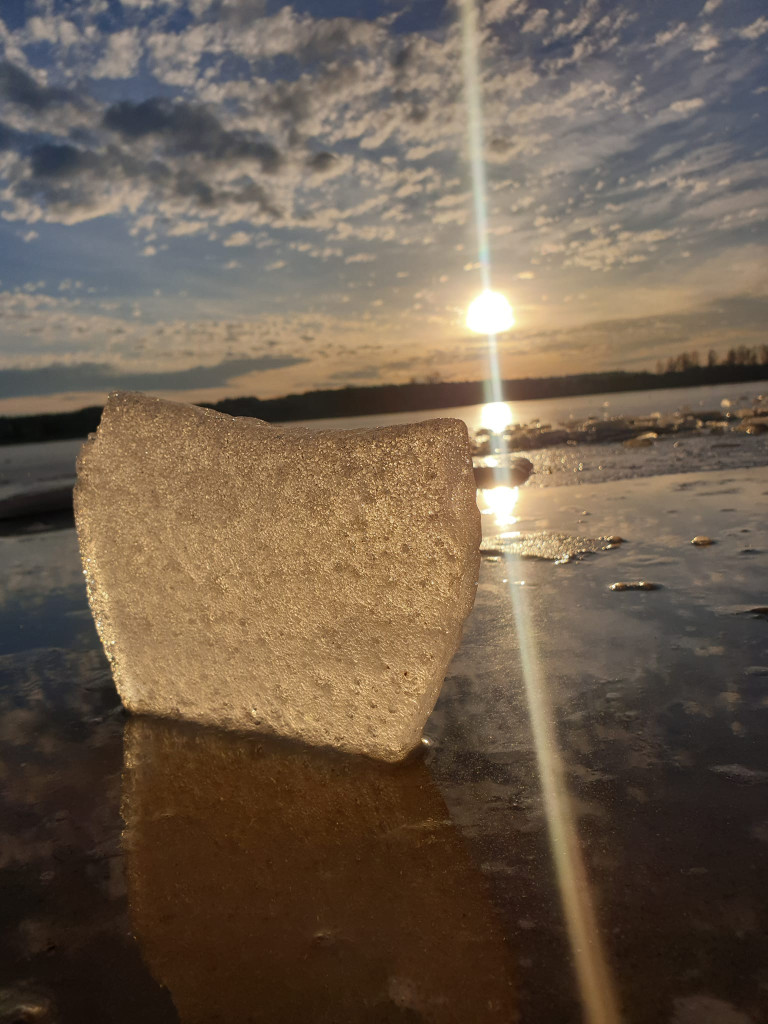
(310, 583)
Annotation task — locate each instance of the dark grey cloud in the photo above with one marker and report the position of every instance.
(414, 105)
(327, 40)
(403, 58)
(296, 99)
(8, 137)
(64, 175)
(49, 160)
(56, 378)
(369, 372)
(241, 13)
(16, 86)
(321, 162)
(189, 128)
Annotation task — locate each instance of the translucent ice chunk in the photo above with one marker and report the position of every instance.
(308, 583)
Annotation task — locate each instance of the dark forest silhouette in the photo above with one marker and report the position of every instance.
(741, 364)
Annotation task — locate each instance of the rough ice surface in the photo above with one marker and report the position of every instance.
(308, 583)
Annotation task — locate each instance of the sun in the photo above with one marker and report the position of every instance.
(490, 313)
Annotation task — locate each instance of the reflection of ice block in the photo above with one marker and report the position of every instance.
(309, 583)
(272, 882)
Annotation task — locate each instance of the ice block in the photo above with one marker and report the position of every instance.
(309, 583)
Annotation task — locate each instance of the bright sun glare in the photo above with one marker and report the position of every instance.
(495, 416)
(501, 503)
(490, 313)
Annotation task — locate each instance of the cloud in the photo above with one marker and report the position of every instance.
(705, 40)
(239, 238)
(19, 87)
(189, 128)
(62, 160)
(343, 140)
(537, 21)
(185, 228)
(717, 324)
(321, 162)
(122, 56)
(686, 107)
(499, 10)
(755, 30)
(8, 137)
(57, 378)
(668, 35)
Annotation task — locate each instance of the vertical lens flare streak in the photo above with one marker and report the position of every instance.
(596, 985)
(469, 62)
(595, 982)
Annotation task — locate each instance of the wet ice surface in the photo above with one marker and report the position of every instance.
(590, 464)
(333, 868)
(661, 705)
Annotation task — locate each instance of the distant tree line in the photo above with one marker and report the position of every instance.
(419, 395)
(742, 355)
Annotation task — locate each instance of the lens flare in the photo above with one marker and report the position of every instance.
(490, 313)
(495, 416)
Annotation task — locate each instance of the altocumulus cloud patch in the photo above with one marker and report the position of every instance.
(622, 157)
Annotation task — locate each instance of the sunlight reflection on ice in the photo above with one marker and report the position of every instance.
(501, 502)
(496, 416)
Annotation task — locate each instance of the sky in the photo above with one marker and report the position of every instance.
(211, 198)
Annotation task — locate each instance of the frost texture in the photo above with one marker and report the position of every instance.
(308, 583)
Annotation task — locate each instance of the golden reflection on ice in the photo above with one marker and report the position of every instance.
(501, 502)
(274, 882)
(596, 984)
(496, 416)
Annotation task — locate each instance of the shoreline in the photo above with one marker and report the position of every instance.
(392, 399)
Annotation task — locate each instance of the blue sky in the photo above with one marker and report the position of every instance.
(218, 197)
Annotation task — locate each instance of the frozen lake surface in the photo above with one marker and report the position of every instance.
(319, 868)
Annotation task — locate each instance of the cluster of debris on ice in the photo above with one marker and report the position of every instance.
(632, 431)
